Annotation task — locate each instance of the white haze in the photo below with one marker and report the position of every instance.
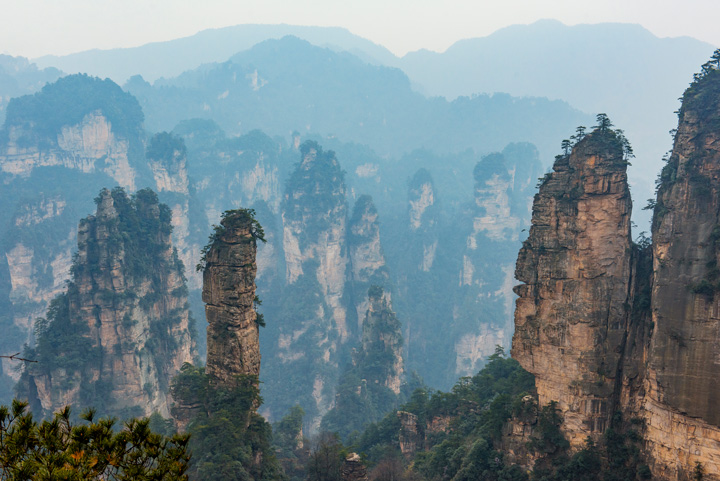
(33, 28)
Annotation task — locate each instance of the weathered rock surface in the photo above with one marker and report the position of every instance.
(609, 327)
(314, 219)
(382, 340)
(683, 363)
(367, 260)
(233, 340)
(503, 183)
(411, 438)
(88, 146)
(122, 329)
(572, 316)
(353, 469)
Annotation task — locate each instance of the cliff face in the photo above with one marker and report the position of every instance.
(371, 385)
(607, 326)
(423, 222)
(88, 146)
(382, 340)
(315, 317)
(314, 227)
(167, 159)
(366, 257)
(122, 330)
(572, 316)
(683, 421)
(229, 293)
(77, 131)
(503, 184)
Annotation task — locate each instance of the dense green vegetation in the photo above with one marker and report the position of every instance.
(230, 218)
(463, 435)
(60, 449)
(164, 146)
(320, 181)
(66, 102)
(135, 239)
(362, 395)
(228, 439)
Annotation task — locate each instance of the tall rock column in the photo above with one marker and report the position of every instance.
(681, 404)
(366, 254)
(572, 314)
(122, 329)
(233, 335)
(313, 330)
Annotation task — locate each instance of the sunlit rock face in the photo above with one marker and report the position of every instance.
(610, 327)
(683, 362)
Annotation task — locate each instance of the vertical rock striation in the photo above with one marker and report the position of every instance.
(609, 327)
(314, 329)
(367, 260)
(370, 386)
(503, 184)
(122, 329)
(572, 316)
(683, 364)
(381, 358)
(233, 339)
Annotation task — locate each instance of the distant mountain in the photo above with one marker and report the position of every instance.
(171, 58)
(620, 69)
(20, 77)
(280, 86)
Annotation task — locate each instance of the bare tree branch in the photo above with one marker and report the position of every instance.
(15, 357)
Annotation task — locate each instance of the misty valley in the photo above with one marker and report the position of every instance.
(295, 256)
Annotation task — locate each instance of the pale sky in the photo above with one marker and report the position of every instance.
(32, 28)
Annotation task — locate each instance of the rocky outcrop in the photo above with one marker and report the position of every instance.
(423, 218)
(353, 468)
(167, 159)
(315, 319)
(367, 260)
(122, 329)
(78, 131)
(503, 184)
(680, 405)
(229, 293)
(88, 146)
(38, 265)
(371, 384)
(609, 327)
(382, 343)
(314, 228)
(571, 319)
(410, 438)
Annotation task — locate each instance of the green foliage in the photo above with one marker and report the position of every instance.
(549, 439)
(326, 459)
(698, 471)
(67, 101)
(58, 449)
(316, 186)
(287, 432)
(477, 408)
(291, 447)
(362, 395)
(136, 240)
(163, 147)
(229, 219)
(605, 140)
(229, 440)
